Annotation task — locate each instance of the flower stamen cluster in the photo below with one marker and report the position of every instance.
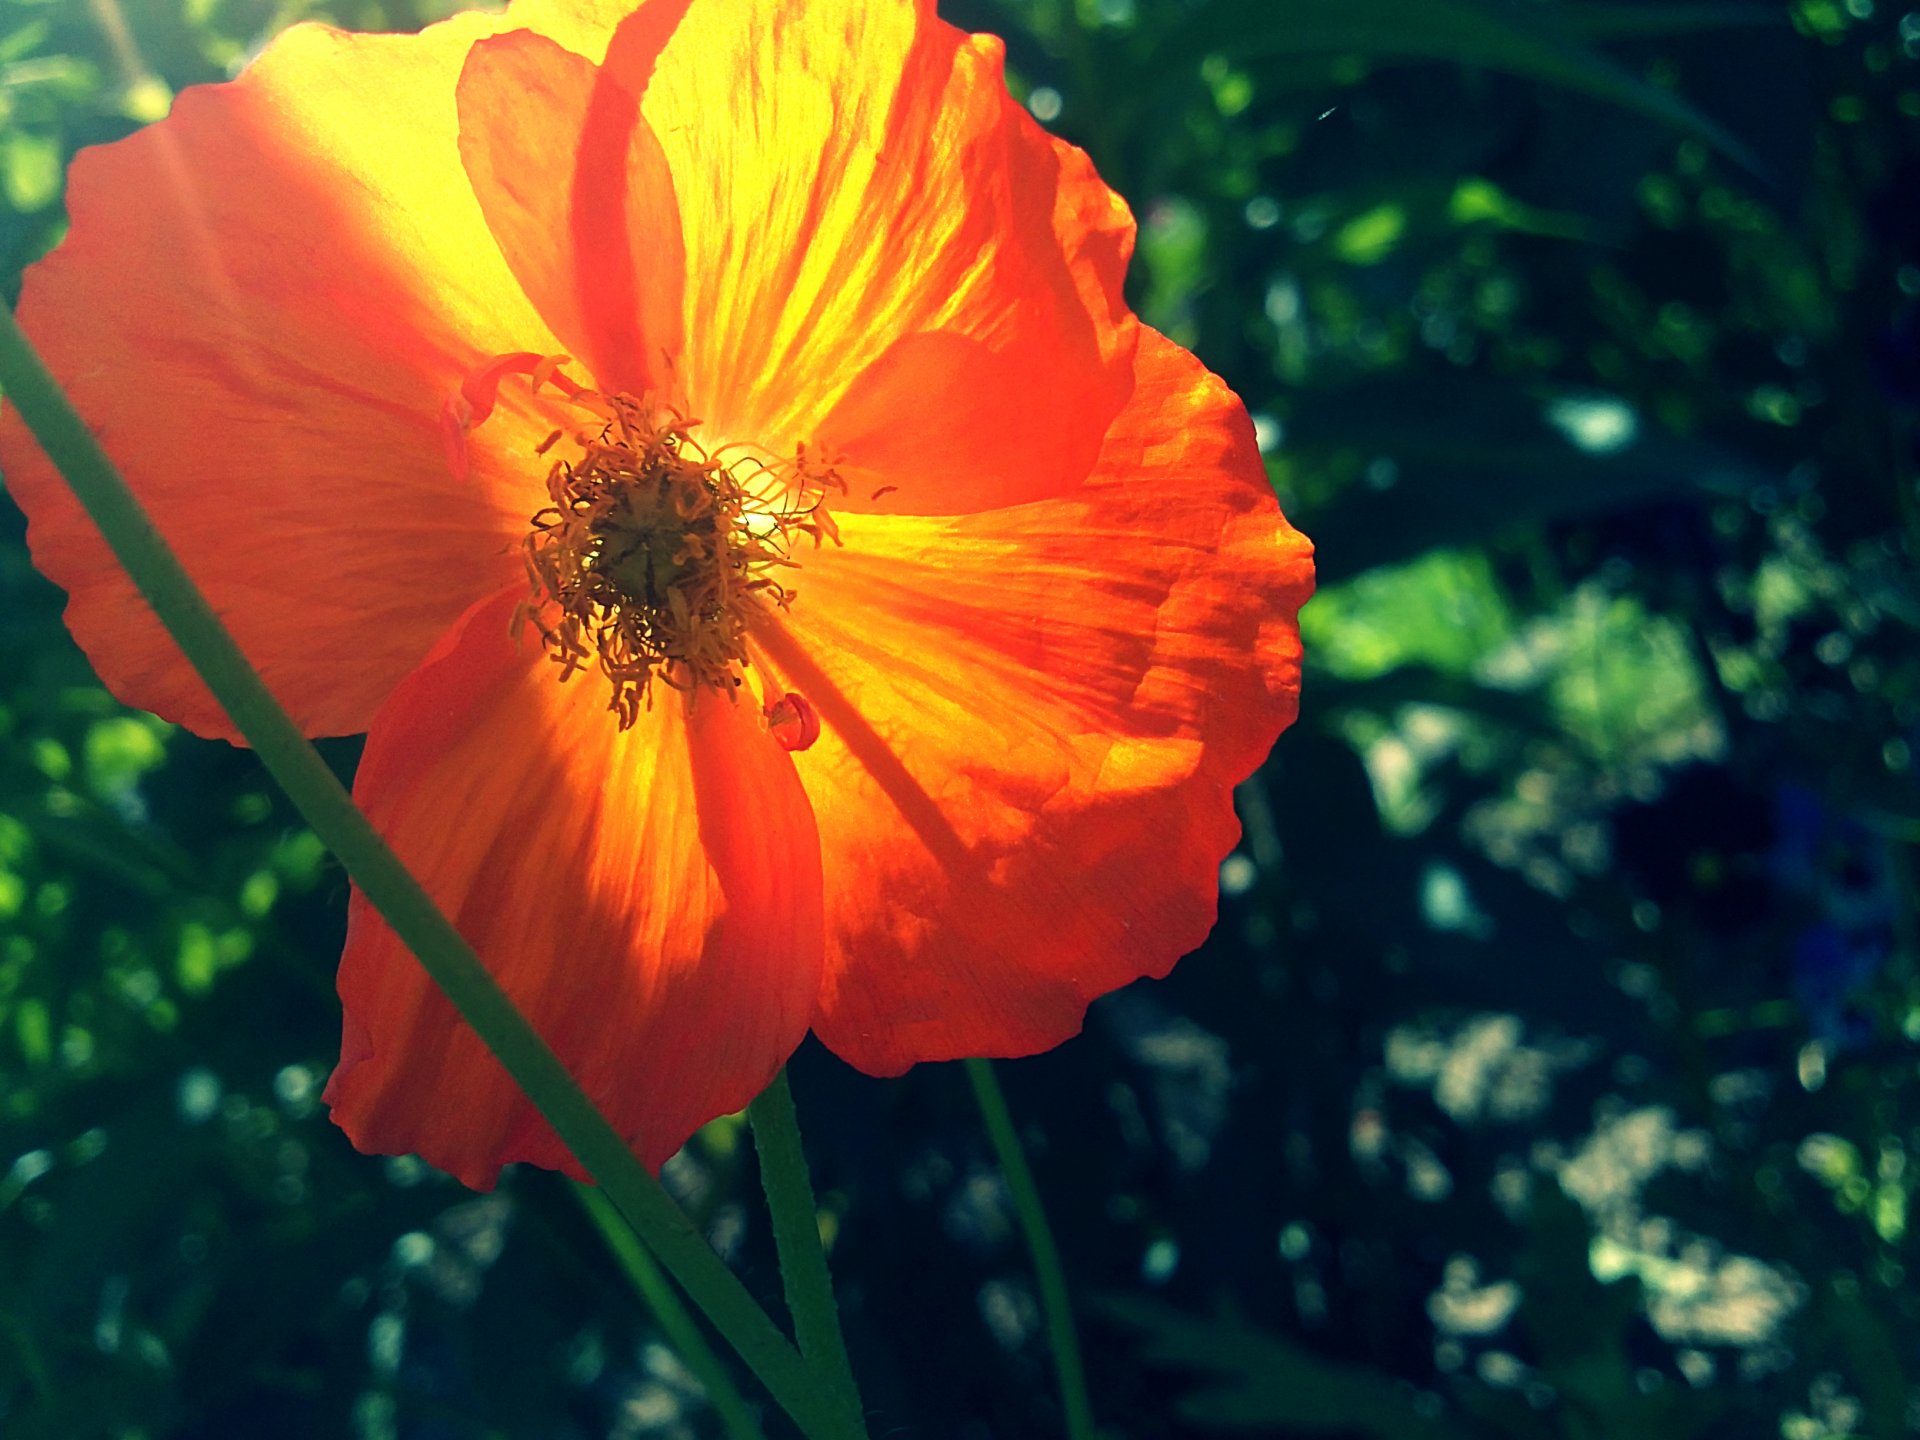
(655, 558)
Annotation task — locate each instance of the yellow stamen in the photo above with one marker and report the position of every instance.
(655, 558)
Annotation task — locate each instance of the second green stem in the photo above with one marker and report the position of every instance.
(1054, 1303)
(803, 1257)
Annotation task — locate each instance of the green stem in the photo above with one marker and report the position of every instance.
(796, 1235)
(653, 1287)
(1046, 1256)
(393, 891)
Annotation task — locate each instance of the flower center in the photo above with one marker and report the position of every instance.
(655, 558)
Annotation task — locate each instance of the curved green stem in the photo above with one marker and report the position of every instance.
(1046, 1256)
(657, 1292)
(796, 1235)
(393, 891)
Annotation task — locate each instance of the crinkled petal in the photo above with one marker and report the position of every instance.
(651, 900)
(575, 188)
(884, 251)
(1032, 723)
(264, 302)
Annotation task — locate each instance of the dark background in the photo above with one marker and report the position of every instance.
(1551, 1072)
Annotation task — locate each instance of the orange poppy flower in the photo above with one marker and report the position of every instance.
(708, 452)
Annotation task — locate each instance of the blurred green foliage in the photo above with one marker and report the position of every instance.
(1552, 1072)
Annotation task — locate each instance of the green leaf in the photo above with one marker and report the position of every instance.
(1535, 41)
(29, 170)
(1260, 1380)
(1600, 21)
(33, 1027)
(1469, 458)
(23, 41)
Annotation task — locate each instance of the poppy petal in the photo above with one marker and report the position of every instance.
(883, 251)
(1032, 721)
(650, 898)
(575, 188)
(262, 306)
